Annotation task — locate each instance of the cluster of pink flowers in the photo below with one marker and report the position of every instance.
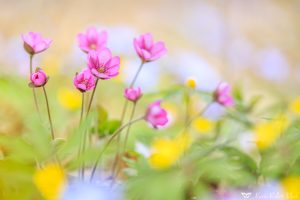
(100, 62)
(102, 65)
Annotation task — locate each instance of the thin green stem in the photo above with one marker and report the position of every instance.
(85, 131)
(115, 173)
(49, 115)
(82, 107)
(92, 97)
(199, 114)
(82, 154)
(136, 74)
(187, 107)
(116, 133)
(128, 129)
(80, 123)
(30, 63)
(33, 89)
(124, 110)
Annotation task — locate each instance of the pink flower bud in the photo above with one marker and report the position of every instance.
(147, 49)
(156, 115)
(92, 40)
(84, 80)
(222, 95)
(133, 94)
(34, 43)
(38, 78)
(103, 65)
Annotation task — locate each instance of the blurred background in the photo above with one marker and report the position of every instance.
(216, 38)
(254, 44)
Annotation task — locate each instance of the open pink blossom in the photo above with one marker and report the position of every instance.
(133, 94)
(38, 78)
(103, 65)
(156, 115)
(92, 39)
(34, 43)
(222, 95)
(84, 80)
(147, 49)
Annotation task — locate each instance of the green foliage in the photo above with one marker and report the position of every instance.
(106, 126)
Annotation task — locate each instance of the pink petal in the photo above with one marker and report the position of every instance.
(148, 40)
(145, 54)
(104, 55)
(158, 50)
(113, 62)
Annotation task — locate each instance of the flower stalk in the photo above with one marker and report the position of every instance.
(48, 112)
(116, 133)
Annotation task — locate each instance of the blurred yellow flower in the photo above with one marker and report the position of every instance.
(69, 98)
(267, 133)
(203, 125)
(191, 82)
(50, 181)
(167, 151)
(291, 187)
(295, 106)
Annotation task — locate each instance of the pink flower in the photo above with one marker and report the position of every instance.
(102, 65)
(34, 43)
(147, 49)
(38, 78)
(133, 94)
(156, 115)
(84, 80)
(222, 95)
(92, 40)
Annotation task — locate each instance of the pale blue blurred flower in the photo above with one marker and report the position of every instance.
(120, 40)
(186, 64)
(208, 26)
(272, 64)
(148, 78)
(91, 191)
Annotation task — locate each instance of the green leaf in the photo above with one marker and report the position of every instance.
(237, 93)
(253, 102)
(102, 114)
(242, 158)
(108, 127)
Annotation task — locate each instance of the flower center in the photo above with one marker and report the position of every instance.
(93, 46)
(101, 70)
